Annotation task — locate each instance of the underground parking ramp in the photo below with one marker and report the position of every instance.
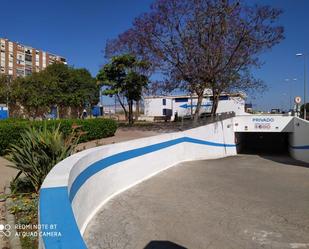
(245, 201)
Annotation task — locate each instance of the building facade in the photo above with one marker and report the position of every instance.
(19, 60)
(183, 105)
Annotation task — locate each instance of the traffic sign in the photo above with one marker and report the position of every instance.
(297, 100)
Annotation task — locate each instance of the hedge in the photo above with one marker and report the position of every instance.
(92, 129)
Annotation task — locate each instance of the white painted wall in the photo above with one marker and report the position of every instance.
(113, 180)
(97, 190)
(300, 138)
(263, 123)
(234, 104)
(154, 106)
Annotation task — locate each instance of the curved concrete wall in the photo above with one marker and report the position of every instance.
(78, 186)
(299, 140)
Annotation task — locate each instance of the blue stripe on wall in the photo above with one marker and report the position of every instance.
(126, 155)
(56, 209)
(300, 147)
(55, 206)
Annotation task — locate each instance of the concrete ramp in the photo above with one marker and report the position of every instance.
(245, 201)
(76, 188)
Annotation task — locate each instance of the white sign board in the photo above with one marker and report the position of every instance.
(297, 100)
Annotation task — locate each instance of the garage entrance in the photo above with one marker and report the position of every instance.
(262, 142)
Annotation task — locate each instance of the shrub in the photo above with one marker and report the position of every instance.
(95, 128)
(11, 130)
(38, 151)
(21, 185)
(10, 134)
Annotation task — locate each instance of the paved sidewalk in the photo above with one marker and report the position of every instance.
(6, 175)
(121, 135)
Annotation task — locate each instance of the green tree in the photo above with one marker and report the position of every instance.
(58, 85)
(82, 89)
(203, 44)
(5, 89)
(125, 76)
(302, 110)
(33, 94)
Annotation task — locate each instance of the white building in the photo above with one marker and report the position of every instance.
(156, 106)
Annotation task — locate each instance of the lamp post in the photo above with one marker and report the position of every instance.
(305, 58)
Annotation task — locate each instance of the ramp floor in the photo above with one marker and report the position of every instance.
(246, 201)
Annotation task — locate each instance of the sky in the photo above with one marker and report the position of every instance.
(78, 30)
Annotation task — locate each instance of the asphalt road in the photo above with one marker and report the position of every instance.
(246, 201)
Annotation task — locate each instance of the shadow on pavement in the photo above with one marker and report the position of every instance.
(163, 245)
(284, 159)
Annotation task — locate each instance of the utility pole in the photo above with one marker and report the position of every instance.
(305, 82)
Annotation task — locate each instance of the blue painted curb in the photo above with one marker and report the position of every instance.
(56, 216)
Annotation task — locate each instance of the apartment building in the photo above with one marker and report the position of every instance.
(20, 60)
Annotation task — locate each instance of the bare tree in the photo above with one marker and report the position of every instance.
(200, 44)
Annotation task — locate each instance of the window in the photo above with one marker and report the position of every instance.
(19, 72)
(220, 98)
(163, 101)
(28, 57)
(28, 72)
(181, 100)
(164, 112)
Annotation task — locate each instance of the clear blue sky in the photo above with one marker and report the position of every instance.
(79, 29)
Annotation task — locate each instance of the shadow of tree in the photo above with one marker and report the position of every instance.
(163, 245)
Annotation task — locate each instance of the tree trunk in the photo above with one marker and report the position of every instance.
(130, 102)
(123, 107)
(137, 110)
(215, 102)
(200, 98)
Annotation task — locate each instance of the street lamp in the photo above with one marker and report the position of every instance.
(290, 90)
(305, 58)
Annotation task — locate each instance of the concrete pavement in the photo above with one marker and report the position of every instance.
(6, 175)
(246, 201)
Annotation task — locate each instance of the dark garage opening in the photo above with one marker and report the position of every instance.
(262, 142)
